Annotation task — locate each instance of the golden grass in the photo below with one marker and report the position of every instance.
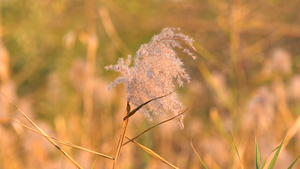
(122, 135)
(43, 133)
(151, 152)
(120, 142)
(235, 40)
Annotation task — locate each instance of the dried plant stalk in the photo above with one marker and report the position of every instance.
(151, 152)
(155, 126)
(121, 138)
(60, 141)
(43, 133)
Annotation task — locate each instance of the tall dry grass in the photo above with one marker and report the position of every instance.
(245, 80)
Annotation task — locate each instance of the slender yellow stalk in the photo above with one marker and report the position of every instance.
(151, 152)
(63, 142)
(121, 138)
(91, 55)
(43, 133)
(155, 126)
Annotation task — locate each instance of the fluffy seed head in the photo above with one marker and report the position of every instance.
(156, 65)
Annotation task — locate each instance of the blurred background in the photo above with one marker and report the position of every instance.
(245, 82)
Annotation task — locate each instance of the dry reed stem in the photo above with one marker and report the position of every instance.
(239, 155)
(121, 138)
(140, 106)
(111, 30)
(241, 147)
(155, 126)
(151, 152)
(259, 46)
(195, 151)
(209, 79)
(91, 54)
(60, 141)
(92, 45)
(43, 133)
(125, 122)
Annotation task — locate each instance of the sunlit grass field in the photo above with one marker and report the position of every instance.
(243, 99)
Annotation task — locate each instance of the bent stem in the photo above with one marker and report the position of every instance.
(62, 142)
(43, 133)
(155, 126)
(151, 152)
(121, 138)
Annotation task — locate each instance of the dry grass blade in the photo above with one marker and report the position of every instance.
(43, 133)
(236, 150)
(121, 138)
(111, 30)
(140, 106)
(151, 152)
(82, 148)
(156, 126)
(94, 163)
(200, 159)
(63, 142)
(209, 79)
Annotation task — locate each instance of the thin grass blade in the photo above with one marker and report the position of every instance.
(63, 142)
(237, 151)
(264, 164)
(274, 159)
(257, 156)
(151, 152)
(42, 132)
(94, 163)
(121, 138)
(200, 159)
(156, 126)
(140, 106)
(275, 149)
(291, 166)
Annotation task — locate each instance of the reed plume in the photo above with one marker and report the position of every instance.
(155, 67)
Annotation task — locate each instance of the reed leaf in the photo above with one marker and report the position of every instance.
(151, 152)
(274, 159)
